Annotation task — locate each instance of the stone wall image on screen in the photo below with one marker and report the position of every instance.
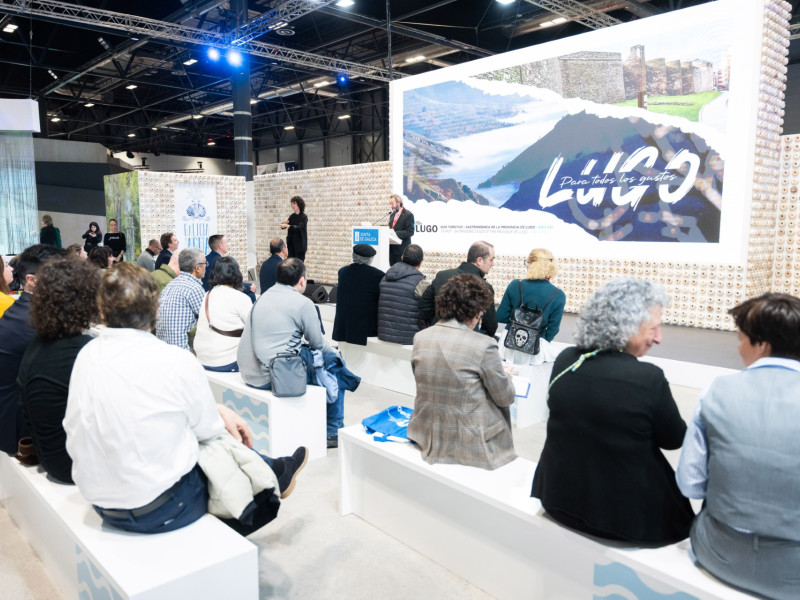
(626, 142)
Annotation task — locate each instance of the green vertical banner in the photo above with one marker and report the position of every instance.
(122, 204)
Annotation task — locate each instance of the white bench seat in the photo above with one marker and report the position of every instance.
(485, 527)
(89, 560)
(279, 425)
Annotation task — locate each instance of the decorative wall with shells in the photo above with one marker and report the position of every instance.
(157, 207)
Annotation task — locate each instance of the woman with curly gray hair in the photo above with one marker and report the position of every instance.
(602, 470)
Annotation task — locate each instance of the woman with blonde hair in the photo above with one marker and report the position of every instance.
(535, 291)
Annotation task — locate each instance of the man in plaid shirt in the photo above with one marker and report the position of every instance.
(181, 299)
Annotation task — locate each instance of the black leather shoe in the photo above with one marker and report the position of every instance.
(333, 441)
(292, 465)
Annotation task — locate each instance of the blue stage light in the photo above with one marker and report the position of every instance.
(342, 79)
(234, 58)
(213, 54)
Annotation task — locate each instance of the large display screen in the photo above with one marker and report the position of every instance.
(633, 142)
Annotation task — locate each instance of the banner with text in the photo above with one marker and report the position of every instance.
(195, 214)
(630, 141)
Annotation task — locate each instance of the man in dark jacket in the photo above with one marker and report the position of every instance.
(269, 268)
(402, 221)
(398, 307)
(357, 298)
(480, 260)
(15, 333)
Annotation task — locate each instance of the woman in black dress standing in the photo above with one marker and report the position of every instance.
(297, 232)
(93, 237)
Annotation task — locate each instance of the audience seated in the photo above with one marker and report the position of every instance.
(135, 451)
(537, 292)
(400, 290)
(461, 411)
(480, 260)
(357, 298)
(602, 471)
(278, 251)
(223, 314)
(101, 256)
(147, 259)
(62, 309)
(169, 246)
(166, 272)
(279, 321)
(15, 333)
(6, 299)
(740, 456)
(180, 300)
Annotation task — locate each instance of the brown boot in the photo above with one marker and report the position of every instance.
(26, 452)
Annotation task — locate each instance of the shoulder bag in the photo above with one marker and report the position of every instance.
(287, 371)
(525, 326)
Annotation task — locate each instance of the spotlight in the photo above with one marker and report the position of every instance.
(343, 117)
(55, 119)
(213, 54)
(345, 3)
(89, 104)
(342, 79)
(190, 62)
(234, 58)
(289, 127)
(131, 135)
(132, 86)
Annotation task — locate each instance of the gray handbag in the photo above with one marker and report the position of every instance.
(287, 373)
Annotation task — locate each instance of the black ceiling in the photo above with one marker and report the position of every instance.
(66, 64)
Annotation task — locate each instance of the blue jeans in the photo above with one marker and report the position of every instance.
(187, 502)
(231, 368)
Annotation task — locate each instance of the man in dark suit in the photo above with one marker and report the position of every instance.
(169, 244)
(480, 260)
(269, 268)
(357, 299)
(402, 221)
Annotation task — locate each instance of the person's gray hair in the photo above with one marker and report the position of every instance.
(362, 260)
(615, 312)
(189, 258)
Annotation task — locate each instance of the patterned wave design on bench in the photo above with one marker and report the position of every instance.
(255, 413)
(92, 584)
(616, 581)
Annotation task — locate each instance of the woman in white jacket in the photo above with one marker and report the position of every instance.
(224, 311)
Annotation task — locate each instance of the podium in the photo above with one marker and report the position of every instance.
(377, 237)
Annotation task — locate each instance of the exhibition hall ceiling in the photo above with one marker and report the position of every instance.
(137, 76)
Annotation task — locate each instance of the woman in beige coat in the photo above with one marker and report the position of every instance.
(461, 413)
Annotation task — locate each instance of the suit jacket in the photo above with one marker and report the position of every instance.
(602, 470)
(461, 413)
(404, 228)
(268, 272)
(211, 258)
(357, 304)
(163, 258)
(427, 304)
